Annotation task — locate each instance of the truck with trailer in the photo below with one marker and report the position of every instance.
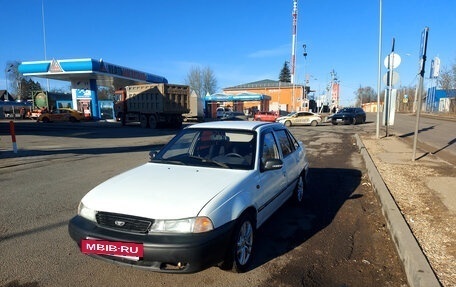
(153, 105)
(196, 112)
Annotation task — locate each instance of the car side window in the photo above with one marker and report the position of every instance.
(269, 148)
(285, 143)
(293, 140)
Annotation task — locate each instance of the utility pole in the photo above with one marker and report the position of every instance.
(293, 51)
(377, 133)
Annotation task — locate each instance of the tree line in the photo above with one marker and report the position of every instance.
(406, 95)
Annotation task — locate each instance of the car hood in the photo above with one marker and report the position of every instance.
(161, 191)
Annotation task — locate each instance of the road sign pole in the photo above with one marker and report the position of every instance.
(391, 62)
(13, 136)
(418, 96)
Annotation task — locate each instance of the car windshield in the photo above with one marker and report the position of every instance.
(217, 148)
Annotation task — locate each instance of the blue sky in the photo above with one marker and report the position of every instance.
(241, 41)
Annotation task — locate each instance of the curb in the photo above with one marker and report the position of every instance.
(417, 268)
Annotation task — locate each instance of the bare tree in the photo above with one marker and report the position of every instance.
(201, 80)
(447, 78)
(13, 77)
(209, 81)
(365, 95)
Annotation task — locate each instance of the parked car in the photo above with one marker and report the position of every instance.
(221, 111)
(60, 115)
(300, 118)
(234, 116)
(349, 116)
(198, 202)
(266, 116)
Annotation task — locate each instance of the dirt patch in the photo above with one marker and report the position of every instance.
(420, 189)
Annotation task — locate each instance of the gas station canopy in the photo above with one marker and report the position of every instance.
(245, 96)
(74, 70)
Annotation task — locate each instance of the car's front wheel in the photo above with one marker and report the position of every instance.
(288, 124)
(239, 256)
(314, 123)
(243, 245)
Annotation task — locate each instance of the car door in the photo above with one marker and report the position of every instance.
(60, 116)
(301, 119)
(290, 150)
(271, 183)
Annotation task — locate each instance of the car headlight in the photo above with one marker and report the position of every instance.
(186, 225)
(86, 212)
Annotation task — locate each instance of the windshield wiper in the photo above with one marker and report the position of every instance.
(202, 159)
(168, 161)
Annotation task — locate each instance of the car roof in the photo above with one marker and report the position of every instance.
(241, 125)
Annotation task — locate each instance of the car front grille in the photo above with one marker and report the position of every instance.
(124, 222)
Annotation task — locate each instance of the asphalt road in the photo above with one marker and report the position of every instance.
(339, 239)
(435, 135)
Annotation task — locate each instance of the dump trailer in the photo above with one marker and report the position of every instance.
(196, 112)
(153, 105)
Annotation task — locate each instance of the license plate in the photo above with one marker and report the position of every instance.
(339, 120)
(128, 250)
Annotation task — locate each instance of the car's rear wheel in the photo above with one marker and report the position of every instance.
(239, 256)
(45, 120)
(334, 122)
(300, 191)
(354, 122)
(314, 123)
(287, 123)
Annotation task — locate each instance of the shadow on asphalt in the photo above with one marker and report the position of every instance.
(419, 131)
(34, 231)
(84, 130)
(291, 225)
(84, 151)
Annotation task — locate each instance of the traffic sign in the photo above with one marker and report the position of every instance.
(391, 82)
(392, 61)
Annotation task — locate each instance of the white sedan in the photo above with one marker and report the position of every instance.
(299, 119)
(199, 200)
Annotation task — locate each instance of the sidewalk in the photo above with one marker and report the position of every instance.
(419, 203)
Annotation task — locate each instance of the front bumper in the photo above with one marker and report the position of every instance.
(344, 120)
(171, 253)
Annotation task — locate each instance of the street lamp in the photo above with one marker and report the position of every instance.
(304, 95)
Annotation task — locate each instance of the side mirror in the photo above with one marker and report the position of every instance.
(272, 164)
(153, 154)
